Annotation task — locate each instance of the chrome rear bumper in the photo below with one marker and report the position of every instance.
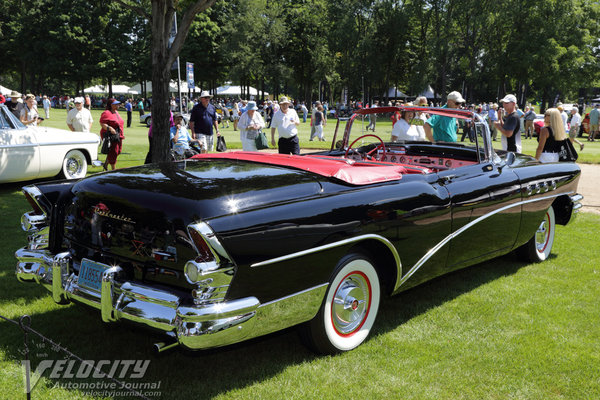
(194, 326)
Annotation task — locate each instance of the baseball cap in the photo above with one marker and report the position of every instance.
(456, 96)
(509, 98)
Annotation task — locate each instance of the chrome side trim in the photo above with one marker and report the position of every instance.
(344, 242)
(285, 298)
(20, 146)
(46, 144)
(288, 311)
(453, 235)
(331, 246)
(69, 143)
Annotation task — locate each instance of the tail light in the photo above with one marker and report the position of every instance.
(204, 252)
(36, 222)
(211, 271)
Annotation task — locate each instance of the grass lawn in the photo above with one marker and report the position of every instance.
(499, 330)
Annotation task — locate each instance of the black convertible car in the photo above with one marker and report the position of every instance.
(225, 247)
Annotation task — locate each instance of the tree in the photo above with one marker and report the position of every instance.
(164, 55)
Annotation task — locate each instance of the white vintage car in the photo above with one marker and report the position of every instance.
(40, 152)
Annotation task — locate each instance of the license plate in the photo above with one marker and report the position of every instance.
(90, 274)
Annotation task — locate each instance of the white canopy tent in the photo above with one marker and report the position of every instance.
(231, 90)
(395, 93)
(97, 89)
(5, 91)
(428, 93)
(117, 89)
(172, 87)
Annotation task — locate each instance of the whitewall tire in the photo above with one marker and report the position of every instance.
(74, 165)
(539, 247)
(349, 309)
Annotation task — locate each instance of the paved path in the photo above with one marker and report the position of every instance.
(589, 187)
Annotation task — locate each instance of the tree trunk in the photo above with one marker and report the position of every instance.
(161, 71)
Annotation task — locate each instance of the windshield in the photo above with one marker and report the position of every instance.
(406, 125)
(8, 120)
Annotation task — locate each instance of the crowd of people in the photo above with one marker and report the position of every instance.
(504, 118)
(282, 117)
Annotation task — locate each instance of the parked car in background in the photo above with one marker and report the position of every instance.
(538, 124)
(31, 152)
(224, 247)
(147, 119)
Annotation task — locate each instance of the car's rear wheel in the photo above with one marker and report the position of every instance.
(74, 165)
(539, 246)
(148, 121)
(349, 309)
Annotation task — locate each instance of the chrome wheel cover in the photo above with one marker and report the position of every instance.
(74, 165)
(542, 234)
(351, 303)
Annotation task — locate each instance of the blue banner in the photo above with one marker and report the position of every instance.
(189, 68)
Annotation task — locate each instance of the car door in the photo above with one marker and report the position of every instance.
(19, 150)
(486, 211)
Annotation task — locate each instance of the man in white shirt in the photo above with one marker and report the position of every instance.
(564, 116)
(46, 105)
(286, 121)
(79, 119)
(575, 123)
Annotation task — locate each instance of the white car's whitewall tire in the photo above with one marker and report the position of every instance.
(74, 165)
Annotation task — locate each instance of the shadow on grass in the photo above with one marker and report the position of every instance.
(399, 309)
(206, 374)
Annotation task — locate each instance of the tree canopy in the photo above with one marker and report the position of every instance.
(313, 49)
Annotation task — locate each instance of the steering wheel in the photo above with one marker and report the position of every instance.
(367, 156)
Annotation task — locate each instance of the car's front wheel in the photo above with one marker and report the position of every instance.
(74, 165)
(349, 309)
(148, 122)
(539, 246)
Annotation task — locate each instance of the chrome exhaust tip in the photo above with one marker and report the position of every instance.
(162, 346)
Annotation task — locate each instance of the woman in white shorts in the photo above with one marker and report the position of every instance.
(552, 132)
(236, 115)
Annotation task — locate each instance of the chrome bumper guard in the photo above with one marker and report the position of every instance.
(195, 326)
(576, 200)
(576, 204)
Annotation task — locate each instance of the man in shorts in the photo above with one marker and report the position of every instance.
(202, 121)
(574, 130)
